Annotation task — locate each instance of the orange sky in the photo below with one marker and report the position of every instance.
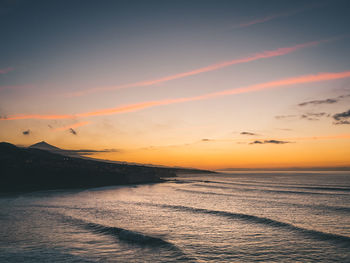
(210, 87)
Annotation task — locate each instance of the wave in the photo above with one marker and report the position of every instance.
(267, 190)
(121, 233)
(43, 255)
(265, 221)
(58, 207)
(126, 235)
(270, 184)
(129, 236)
(322, 207)
(206, 193)
(324, 188)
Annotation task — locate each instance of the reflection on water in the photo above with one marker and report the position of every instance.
(240, 217)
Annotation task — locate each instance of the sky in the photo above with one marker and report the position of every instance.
(205, 84)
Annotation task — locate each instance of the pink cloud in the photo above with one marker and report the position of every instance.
(275, 16)
(262, 55)
(262, 20)
(148, 104)
(38, 117)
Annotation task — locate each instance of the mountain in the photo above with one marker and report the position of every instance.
(48, 147)
(29, 169)
(44, 146)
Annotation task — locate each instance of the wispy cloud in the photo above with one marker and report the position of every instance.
(309, 138)
(311, 116)
(91, 152)
(342, 118)
(220, 65)
(148, 104)
(281, 117)
(284, 129)
(262, 20)
(324, 101)
(207, 140)
(6, 70)
(238, 141)
(270, 142)
(72, 126)
(38, 117)
(317, 102)
(257, 87)
(249, 133)
(276, 16)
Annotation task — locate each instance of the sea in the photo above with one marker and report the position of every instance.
(225, 217)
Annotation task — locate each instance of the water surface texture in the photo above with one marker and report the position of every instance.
(237, 217)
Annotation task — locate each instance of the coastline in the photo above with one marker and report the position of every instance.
(27, 170)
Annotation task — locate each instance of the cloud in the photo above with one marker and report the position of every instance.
(27, 132)
(71, 126)
(279, 117)
(275, 16)
(91, 152)
(252, 88)
(342, 118)
(72, 131)
(207, 140)
(148, 104)
(276, 142)
(344, 96)
(342, 115)
(6, 70)
(317, 102)
(270, 142)
(307, 116)
(325, 101)
(38, 117)
(342, 122)
(248, 133)
(261, 20)
(212, 67)
(284, 129)
(313, 116)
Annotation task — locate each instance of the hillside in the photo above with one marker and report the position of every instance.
(27, 169)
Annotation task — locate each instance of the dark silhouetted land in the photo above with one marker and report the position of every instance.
(29, 169)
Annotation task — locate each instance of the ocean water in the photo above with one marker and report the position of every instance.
(237, 217)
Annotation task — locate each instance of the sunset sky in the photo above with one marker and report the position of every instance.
(206, 84)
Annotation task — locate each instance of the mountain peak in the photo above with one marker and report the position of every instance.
(44, 146)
